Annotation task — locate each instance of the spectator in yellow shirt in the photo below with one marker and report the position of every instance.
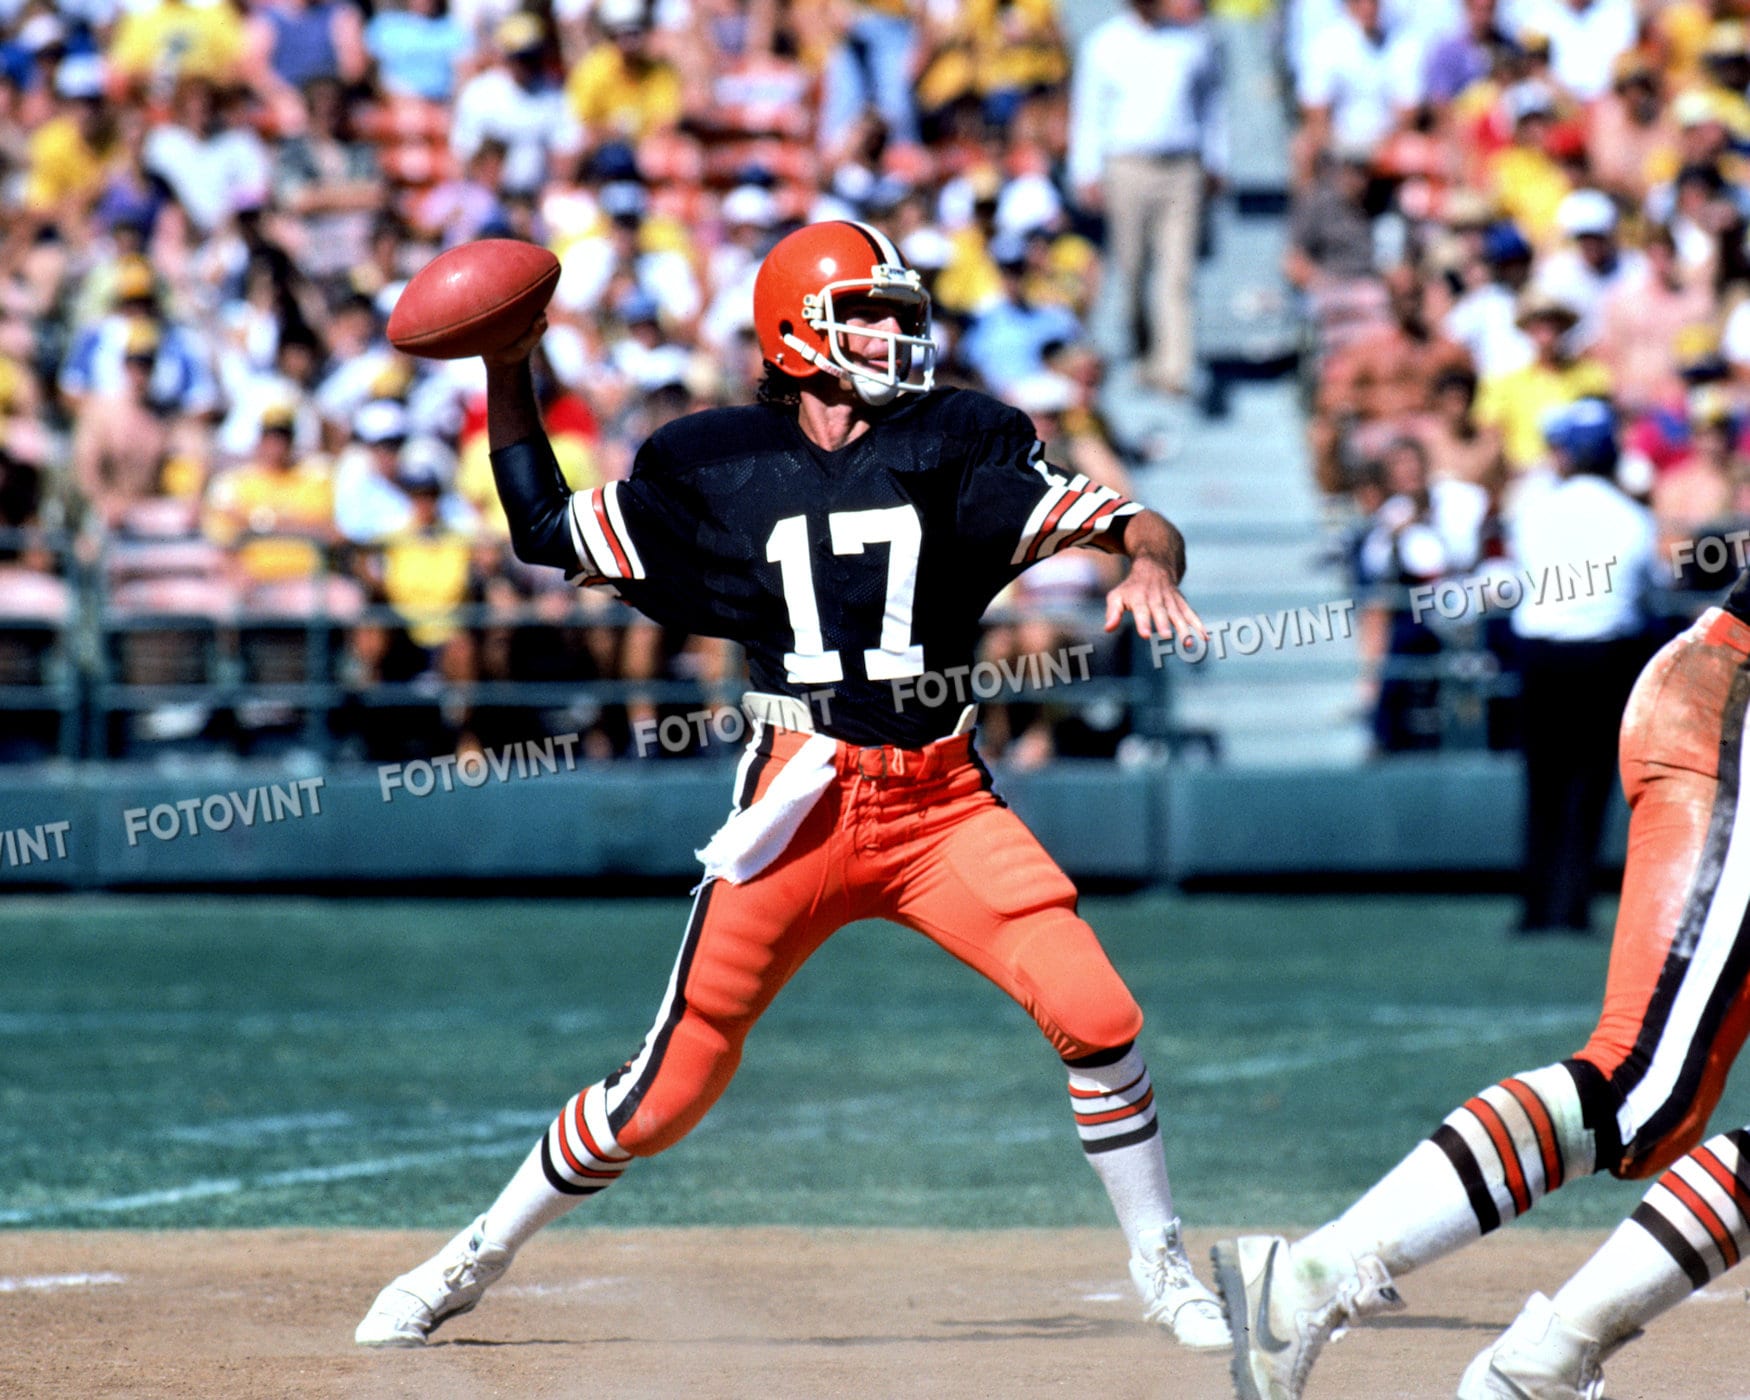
(1000, 50)
(971, 281)
(72, 155)
(622, 90)
(1529, 184)
(1517, 403)
(276, 511)
(428, 570)
(173, 39)
(425, 572)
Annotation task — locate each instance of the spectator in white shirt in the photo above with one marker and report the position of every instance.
(1581, 274)
(1359, 81)
(1307, 19)
(642, 354)
(592, 267)
(370, 504)
(1485, 320)
(1148, 135)
(208, 157)
(1586, 37)
(517, 102)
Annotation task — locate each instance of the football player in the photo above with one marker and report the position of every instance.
(848, 531)
(1633, 1101)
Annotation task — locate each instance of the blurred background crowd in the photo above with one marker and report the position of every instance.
(235, 518)
(1520, 233)
(211, 206)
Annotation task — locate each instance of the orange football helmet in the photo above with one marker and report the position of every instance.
(799, 298)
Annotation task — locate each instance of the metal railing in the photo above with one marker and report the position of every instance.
(104, 666)
(69, 685)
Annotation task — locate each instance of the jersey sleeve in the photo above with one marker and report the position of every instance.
(1021, 507)
(649, 540)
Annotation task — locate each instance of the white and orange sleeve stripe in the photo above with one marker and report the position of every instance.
(1071, 512)
(599, 534)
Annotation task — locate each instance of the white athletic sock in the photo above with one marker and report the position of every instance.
(1115, 1118)
(576, 1157)
(1492, 1159)
(1687, 1231)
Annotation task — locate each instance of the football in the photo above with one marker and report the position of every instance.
(473, 299)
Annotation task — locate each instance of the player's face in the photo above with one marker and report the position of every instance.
(871, 350)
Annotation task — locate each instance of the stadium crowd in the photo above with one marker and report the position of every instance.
(1520, 231)
(211, 458)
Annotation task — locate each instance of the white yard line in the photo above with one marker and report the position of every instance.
(271, 1181)
(44, 1282)
(1360, 1047)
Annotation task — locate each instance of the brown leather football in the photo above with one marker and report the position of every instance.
(474, 299)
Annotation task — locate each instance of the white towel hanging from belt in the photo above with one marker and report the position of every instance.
(756, 835)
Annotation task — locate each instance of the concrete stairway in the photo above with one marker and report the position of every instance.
(1239, 484)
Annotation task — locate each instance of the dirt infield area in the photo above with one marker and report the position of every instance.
(745, 1314)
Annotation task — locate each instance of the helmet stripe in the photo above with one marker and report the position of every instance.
(884, 250)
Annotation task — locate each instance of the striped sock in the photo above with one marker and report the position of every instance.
(1691, 1227)
(576, 1157)
(1114, 1105)
(1489, 1162)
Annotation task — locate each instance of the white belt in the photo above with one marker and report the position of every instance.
(787, 712)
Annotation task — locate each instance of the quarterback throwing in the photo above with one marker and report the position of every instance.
(848, 530)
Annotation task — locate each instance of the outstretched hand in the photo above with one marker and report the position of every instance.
(1149, 594)
(521, 348)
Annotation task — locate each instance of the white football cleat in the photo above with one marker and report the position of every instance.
(1540, 1357)
(1285, 1302)
(447, 1285)
(1173, 1296)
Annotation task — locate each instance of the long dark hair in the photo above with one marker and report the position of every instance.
(777, 389)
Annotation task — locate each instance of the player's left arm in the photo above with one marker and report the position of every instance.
(1150, 591)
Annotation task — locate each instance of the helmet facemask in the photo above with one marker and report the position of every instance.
(911, 352)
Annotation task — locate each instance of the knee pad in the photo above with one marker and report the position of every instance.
(1062, 976)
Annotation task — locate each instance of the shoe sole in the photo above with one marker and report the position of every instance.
(391, 1343)
(1230, 1287)
(411, 1343)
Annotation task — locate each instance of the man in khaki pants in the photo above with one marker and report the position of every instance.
(1148, 138)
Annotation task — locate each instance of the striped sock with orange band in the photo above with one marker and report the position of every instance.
(1113, 1100)
(1493, 1159)
(1692, 1225)
(576, 1157)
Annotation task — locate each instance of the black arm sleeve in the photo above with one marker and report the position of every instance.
(537, 503)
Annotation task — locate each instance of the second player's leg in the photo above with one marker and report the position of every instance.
(1692, 1226)
(1503, 1150)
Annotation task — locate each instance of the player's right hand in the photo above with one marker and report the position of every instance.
(522, 347)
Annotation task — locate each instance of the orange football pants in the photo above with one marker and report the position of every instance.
(911, 835)
(1677, 1000)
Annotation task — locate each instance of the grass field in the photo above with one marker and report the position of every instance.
(249, 1062)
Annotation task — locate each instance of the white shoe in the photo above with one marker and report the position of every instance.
(1540, 1357)
(1284, 1303)
(1173, 1296)
(447, 1285)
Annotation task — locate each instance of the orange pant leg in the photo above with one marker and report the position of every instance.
(1675, 1006)
(978, 883)
(743, 943)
